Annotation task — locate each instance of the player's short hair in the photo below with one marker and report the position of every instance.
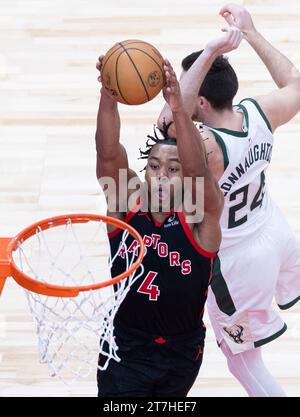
(220, 84)
(155, 140)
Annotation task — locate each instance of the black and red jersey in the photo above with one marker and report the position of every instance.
(168, 299)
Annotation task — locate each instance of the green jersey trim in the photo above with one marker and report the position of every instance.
(222, 145)
(288, 305)
(219, 288)
(260, 112)
(236, 132)
(270, 338)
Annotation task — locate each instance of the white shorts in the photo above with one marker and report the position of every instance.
(245, 280)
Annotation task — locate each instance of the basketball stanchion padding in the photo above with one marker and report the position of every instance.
(64, 265)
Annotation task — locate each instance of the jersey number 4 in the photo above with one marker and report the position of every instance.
(148, 288)
(257, 202)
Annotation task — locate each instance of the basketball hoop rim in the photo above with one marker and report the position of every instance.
(57, 290)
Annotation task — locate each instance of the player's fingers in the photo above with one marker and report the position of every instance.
(172, 73)
(226, 15)
(224, 9)
(99, 62)
(228, 35)
(168, 70)
(168, 64)
(229, 8)
(101, 57)
(167, 74)
(233, 33)
(172, 78)
(229, 19)
(237, 37)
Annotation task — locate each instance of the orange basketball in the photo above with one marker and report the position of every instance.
(132, 72)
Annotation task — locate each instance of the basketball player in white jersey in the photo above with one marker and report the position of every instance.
(259, 258)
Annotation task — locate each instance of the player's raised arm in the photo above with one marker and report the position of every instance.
(192, 155)
(111, 155)
(283, 104)
(191, 81)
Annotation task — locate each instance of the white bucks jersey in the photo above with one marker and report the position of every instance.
(247, 155)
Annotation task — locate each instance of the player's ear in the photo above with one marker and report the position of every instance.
(202, 101)
(203, 104)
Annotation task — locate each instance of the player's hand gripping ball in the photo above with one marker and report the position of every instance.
(132, 72)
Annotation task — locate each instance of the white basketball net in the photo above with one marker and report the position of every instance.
(72, 331)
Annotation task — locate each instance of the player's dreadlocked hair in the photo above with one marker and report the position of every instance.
(165, 140)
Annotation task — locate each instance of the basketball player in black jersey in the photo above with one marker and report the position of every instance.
(159, 327)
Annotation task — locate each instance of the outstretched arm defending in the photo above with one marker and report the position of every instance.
(283, 104)
(191, 81)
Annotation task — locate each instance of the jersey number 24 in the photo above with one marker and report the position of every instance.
(257, 202)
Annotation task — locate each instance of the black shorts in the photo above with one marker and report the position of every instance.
(152, 366)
